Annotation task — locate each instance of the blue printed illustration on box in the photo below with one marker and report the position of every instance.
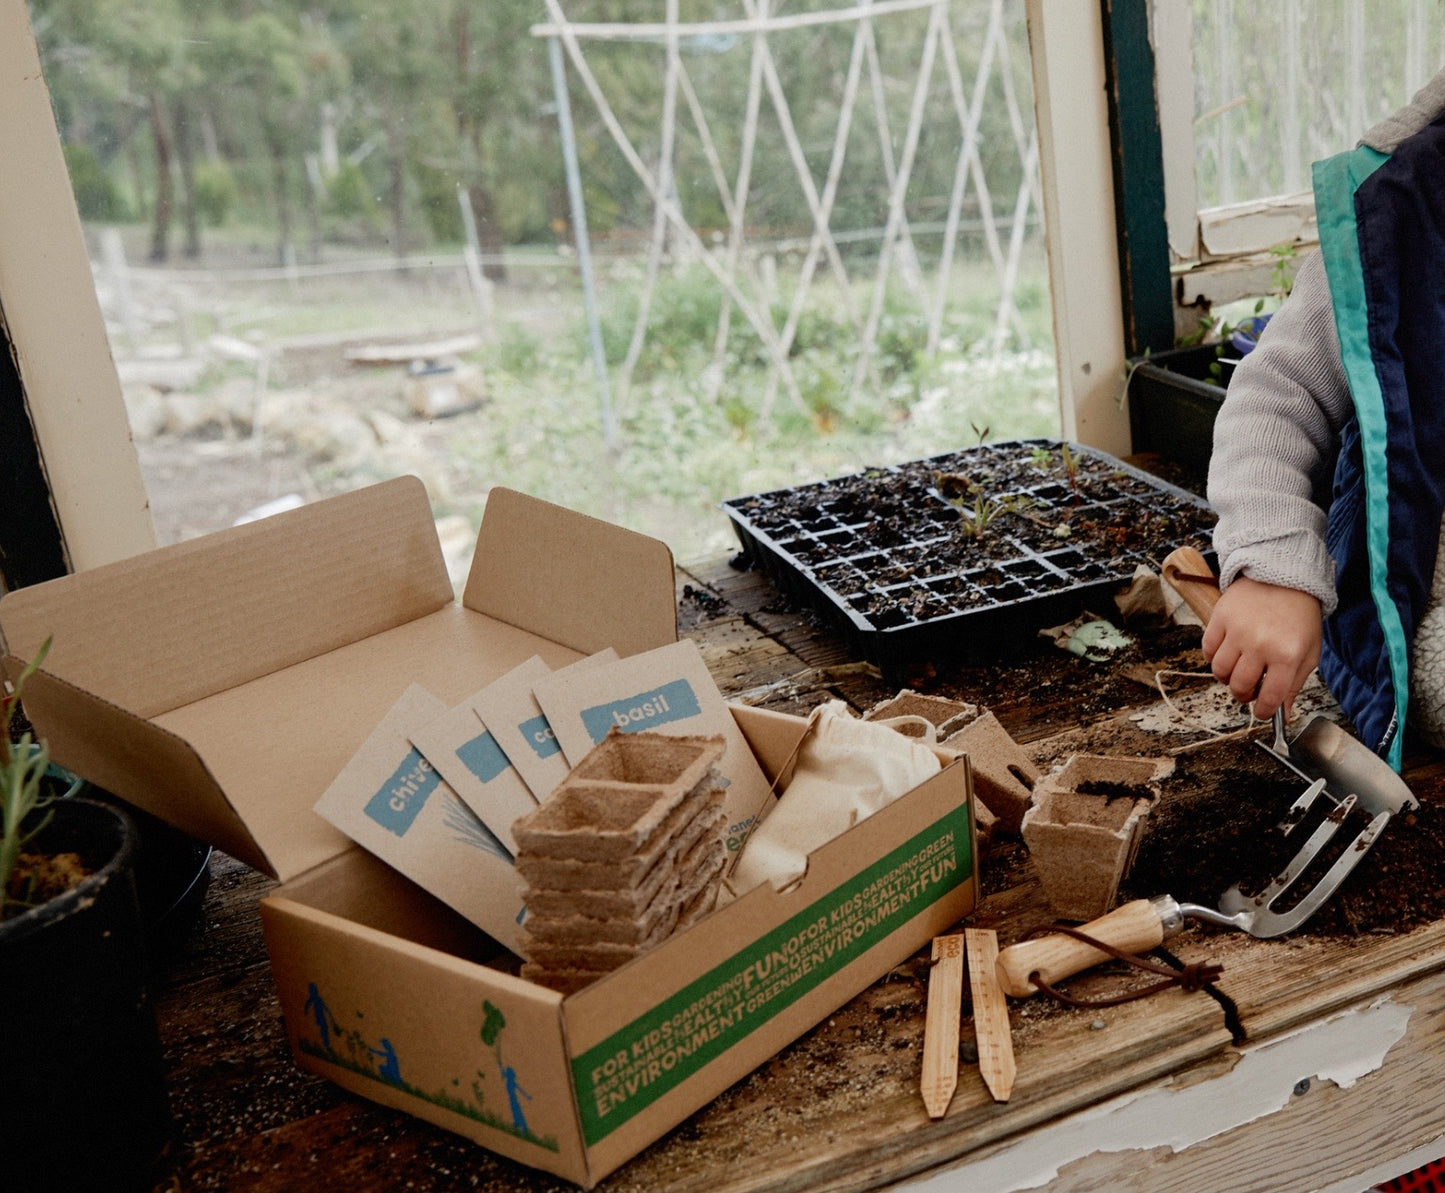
(351, 1048)
(675, 701)
(540, 735)
(483, 757)
(399, 801)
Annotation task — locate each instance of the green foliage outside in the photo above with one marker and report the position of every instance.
(96, 195)
(216, 193)
(683, 448)
(274, 108)
(325, 130)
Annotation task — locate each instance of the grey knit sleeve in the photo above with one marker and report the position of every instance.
(1274, 442)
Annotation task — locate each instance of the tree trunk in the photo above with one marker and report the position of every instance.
(469, 128)
(285, 250)
(161, 228)
(398, 195)
(313, 191)
(489, 232)
(186, 157)
(131, 139)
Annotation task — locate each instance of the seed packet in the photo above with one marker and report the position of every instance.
(390, 800)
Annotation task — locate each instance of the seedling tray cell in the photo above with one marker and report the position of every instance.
(965, 556)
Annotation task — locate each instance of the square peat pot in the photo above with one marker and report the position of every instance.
(1174, 397)
(964, 557)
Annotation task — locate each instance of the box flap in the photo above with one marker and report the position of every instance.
(174, 625)
(276, 743)
(140, 762)
(570, 578)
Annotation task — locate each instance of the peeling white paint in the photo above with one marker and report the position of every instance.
(1259, 224)
(1341, 1049)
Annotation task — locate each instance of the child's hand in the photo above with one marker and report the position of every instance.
(1262, 642)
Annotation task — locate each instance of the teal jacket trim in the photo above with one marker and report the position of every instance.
(1335, 182)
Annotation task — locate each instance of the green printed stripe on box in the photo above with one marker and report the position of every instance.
(636, 1065)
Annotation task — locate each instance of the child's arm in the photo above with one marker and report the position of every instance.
(1269, 481)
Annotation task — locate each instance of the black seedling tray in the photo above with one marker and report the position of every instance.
(896, 559)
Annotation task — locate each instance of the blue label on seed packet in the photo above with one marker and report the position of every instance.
(401, 798)
(483, 757)
(675, 701)
(540, 736)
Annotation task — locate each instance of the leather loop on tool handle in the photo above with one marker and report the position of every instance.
(1133, 927)
(1196, 975)
(1190, 575)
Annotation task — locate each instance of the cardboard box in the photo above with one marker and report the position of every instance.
(224, 682)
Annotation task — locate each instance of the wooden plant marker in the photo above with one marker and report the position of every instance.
(990, 1014)
(940, 1025)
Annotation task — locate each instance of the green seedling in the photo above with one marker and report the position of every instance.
(22, 791)
(1071, 470)
(975, 522)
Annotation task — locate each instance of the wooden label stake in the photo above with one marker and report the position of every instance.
(940, 1026)
(990, 1014)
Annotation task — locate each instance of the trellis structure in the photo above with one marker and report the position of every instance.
(733, 266)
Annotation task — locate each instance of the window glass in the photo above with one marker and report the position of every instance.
(337, 240)
(1283, 84)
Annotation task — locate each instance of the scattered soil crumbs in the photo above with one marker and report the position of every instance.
(1226, 831)
(709, 604)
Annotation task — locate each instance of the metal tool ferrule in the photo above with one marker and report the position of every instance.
(1171, 915)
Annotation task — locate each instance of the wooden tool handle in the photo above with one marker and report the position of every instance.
(1133, 928)
(1190, 575)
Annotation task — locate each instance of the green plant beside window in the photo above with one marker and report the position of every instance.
(1219, 329)
(23, 791)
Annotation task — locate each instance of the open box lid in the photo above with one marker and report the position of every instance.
(222, 683)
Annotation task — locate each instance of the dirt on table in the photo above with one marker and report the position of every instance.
(1225, 830)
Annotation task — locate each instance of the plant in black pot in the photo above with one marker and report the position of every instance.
(1174, 396)
(82, 1096)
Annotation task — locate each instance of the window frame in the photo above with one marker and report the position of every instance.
(1221, 254)
(81, 446)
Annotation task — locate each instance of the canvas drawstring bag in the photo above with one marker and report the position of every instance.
(845, 770)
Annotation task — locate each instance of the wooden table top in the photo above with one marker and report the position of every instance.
(839, 1108)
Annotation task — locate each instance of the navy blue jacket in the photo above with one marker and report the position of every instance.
(1382, 232)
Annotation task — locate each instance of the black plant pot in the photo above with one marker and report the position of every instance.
(82, 1096)
(172, 875)
(1174, 397)
(172, 871)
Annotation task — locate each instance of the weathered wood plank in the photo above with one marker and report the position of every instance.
(1321, 1108)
